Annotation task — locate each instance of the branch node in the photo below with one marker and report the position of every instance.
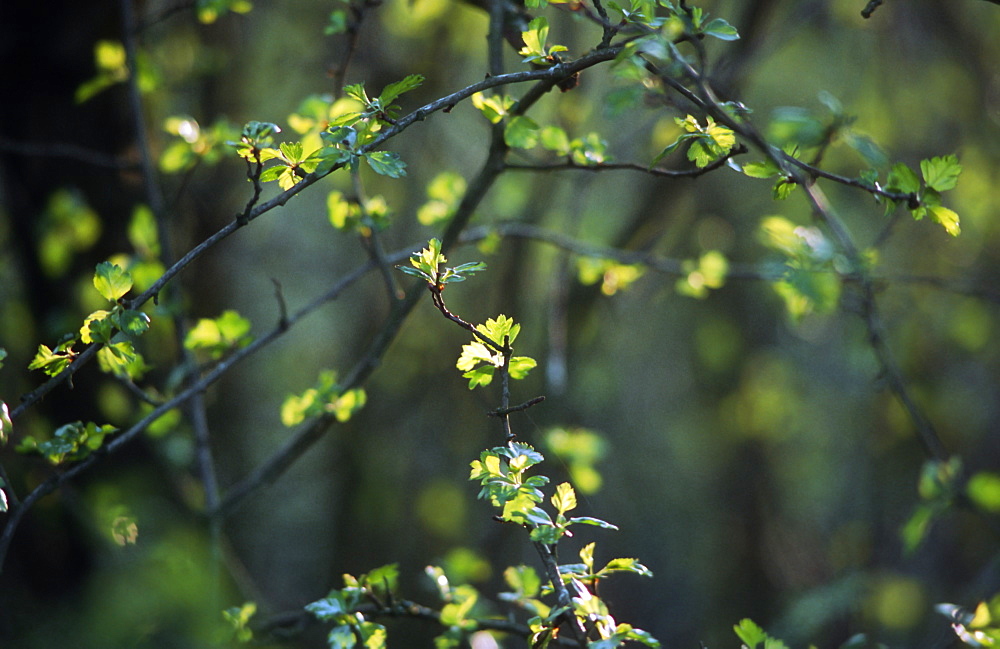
(503, 412)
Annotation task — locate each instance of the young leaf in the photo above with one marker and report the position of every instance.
(393, 90)
(50, 361)
(520, 366)
(521, 133)
(903, 179)
(387, 163)
(496, 329)
(6, 425)
(720, 29)
(596, 522)
(494, 107)
(941, 173)
(111, 281)
(555, 139)
(627, 565)
(751, 634)
(946, 218)
(129, 322)
(564, 499)
(534, 38)
(475, 353)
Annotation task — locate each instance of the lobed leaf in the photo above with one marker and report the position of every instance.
(111, 281)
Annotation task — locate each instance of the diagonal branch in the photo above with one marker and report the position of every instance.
(547, 77)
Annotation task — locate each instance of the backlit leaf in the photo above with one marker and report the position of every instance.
(111, 281)
(387, 163)
(947, 218)
(941, 173)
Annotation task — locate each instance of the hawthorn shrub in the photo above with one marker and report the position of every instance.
(753, 340)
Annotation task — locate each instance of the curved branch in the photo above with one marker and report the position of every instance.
(569, 165)
(547, 77)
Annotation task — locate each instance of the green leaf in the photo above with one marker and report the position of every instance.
(764, 169)
(386, 163)
(941, 173)
(291, 151)
(72, 442)
(50, 361)
(337, 23)
(239, 618)
(496, 329)
(564, 499)
(273, 173)
(111, 281)
(720, 29)
(596, 522)
(493, 107)
(342, 213)
(902, 179)
(521, 133)
(131, 323)
(751, 634)
(357, 92)
(394, 90)
(534, 38)
(6, 425)
(97, 327)
(555, 139)
(627, 565)
(947, 218)
(783, 187)
(480, 376)
(524, 580)
(475, 353)
(328, 608)
(983, 489)
(220, 335)
(520, 366)
(142, 232)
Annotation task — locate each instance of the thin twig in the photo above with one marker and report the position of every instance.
(548, 78)
(570, 165)
(69, 151)
(371, 241)
(501, 412)
(870, 8)
(195, 388)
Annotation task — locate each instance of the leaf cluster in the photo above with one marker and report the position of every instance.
(70, 443)
(217, 337)
(502, 472)
(350, 627)
(327, 397)
(429, 265)
(479, 359)
(707, 143)
(938, 174)
(115, 329)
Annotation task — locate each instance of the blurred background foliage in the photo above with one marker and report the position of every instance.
(755, 463)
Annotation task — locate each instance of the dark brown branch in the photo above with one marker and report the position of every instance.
(69, 151)
(870, 8)
(503, 412)
(569, 165)
(548, 77)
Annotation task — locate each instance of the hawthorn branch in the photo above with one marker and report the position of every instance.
(503, 412)
(299, 620)
(823, 211)
(69, 151)
(180, 399)
(570, 165)
(548, 78)
(302, 441)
